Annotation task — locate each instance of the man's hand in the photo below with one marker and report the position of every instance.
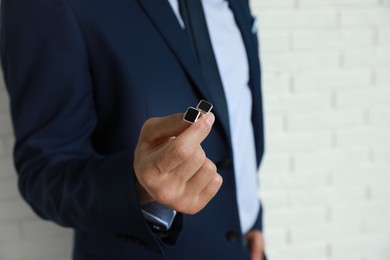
(171, 166)
(256, 244)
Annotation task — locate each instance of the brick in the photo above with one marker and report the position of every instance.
(381, 97)
(6, 168)
(274, 41)
(379, 190)
(6, 126)
(9, 141)
(377, 225)
(332, 159)
(352, 175)
(383, 36)
(365, 17)
(379, 116)
(262, 4)
(333, 39)
(347, 250)
(275, 82)
(362, 136)
(15, 210)
(9, 231)
(383, 77)
(304, 60)
(2, 150)
(378, 209)
(332, 79)
(275, 236)
(346, 194)
(378, 97)
(299, 142)
(274, 163)
(318, 120)
(301, 180)
(367, 57)
(294, 19)
(9, 190)
(39, 228)
(338, 3)
(324, 232)
(274, 200)
(4, 103)
(382, 154)
(331, 195)
(2, 84)
(301, 102)
(295, 216)
(309, 251)
(34, 249)
(310, 197)
(273, 123)
(271, 183)
(376, 246)
(356, 212)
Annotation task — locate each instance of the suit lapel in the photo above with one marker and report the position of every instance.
(164, 19)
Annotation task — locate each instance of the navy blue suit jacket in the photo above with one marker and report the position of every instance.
(83, 76)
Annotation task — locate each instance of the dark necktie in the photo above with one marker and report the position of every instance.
(196, 27)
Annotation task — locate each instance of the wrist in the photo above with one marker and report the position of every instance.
(143, 195)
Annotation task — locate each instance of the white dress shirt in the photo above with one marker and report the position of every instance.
(232, 61)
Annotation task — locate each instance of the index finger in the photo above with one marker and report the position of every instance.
(195, 134)
(184, 145)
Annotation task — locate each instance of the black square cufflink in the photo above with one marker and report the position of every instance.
(192, 114)
(204, 106)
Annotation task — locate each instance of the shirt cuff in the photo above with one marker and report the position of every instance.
(158, 214)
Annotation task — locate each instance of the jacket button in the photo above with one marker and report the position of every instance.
(224, 164)
(233, 235)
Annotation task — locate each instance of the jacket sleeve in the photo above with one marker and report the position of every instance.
(62, 177)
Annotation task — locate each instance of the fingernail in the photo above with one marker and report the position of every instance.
(210, 119)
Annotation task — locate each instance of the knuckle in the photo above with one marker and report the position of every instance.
(209, 166)
(187, 208)
(218, 180)
(192, 211)
(165, 195)
(160, 167)
(200, 156)
(146, 178)
(181, 151)
(148, 125)
(181, 206)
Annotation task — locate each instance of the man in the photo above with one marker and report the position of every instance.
(96, 88)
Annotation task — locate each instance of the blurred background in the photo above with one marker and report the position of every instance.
(325, 178)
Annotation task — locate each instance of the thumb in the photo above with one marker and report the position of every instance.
(158, 128)
(156, 131)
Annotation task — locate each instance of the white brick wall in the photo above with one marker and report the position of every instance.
(326, 173)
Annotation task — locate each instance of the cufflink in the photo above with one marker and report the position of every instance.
(204, 106)
(191, 115)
